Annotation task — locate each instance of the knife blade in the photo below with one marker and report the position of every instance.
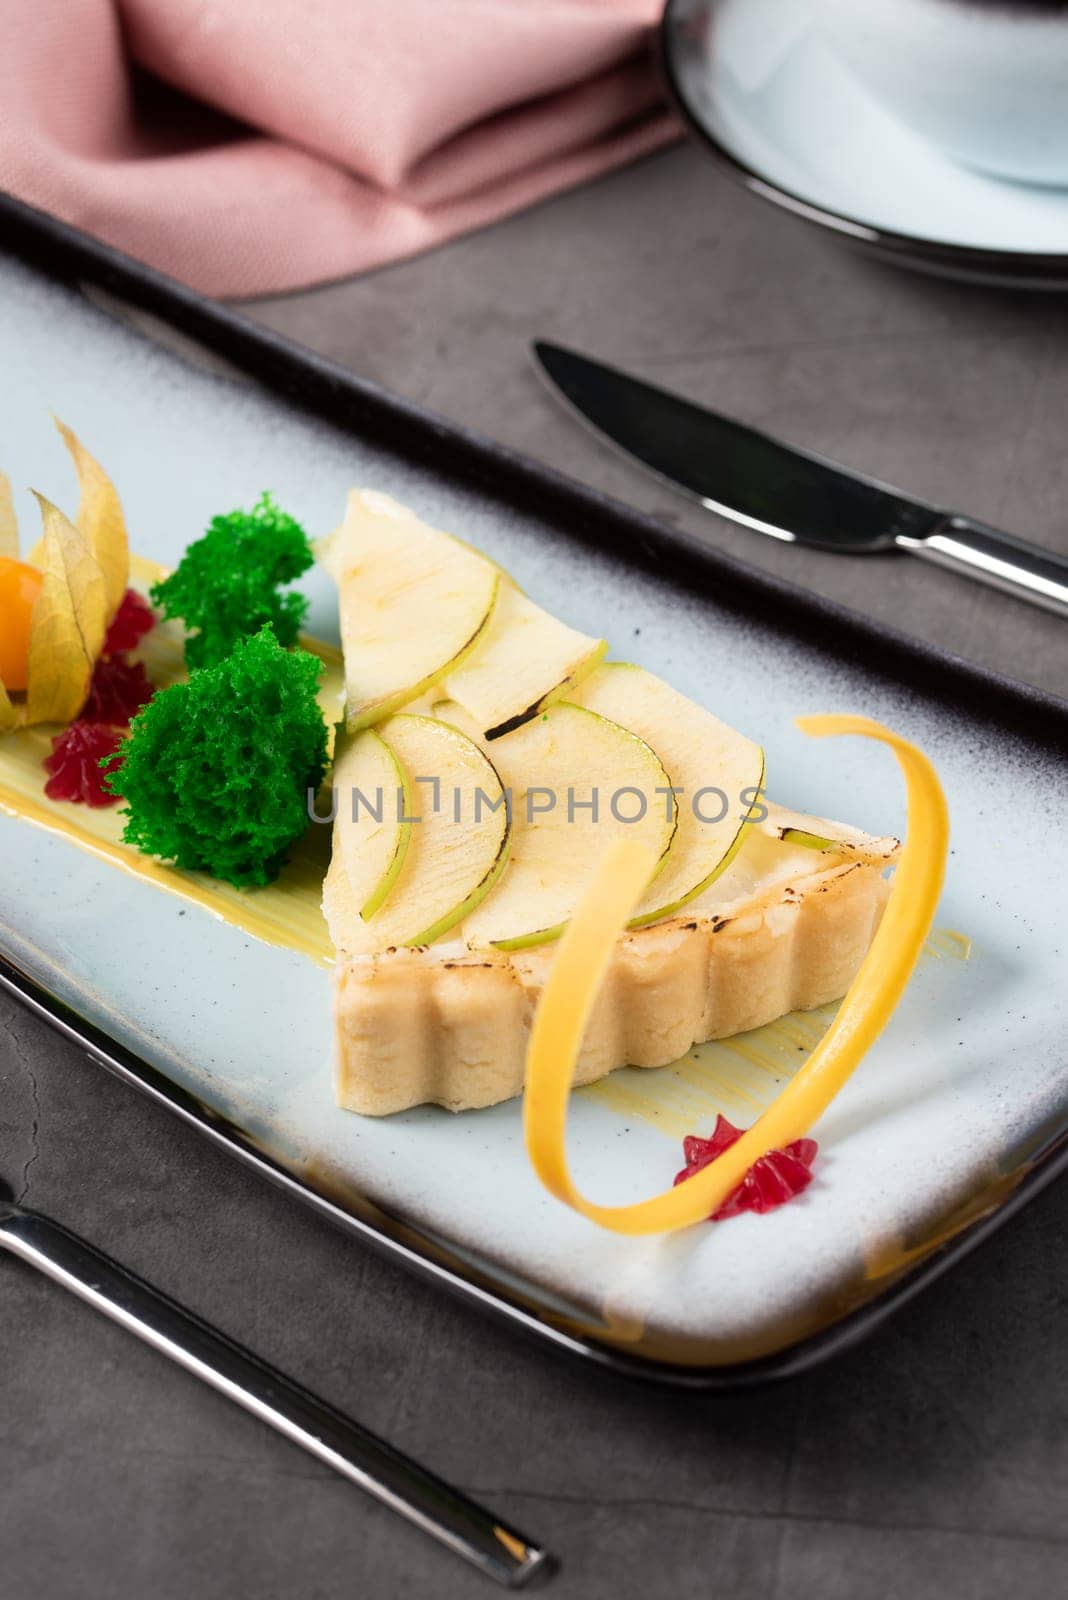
(791, 494)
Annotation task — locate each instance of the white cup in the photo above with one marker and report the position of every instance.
(985, 80)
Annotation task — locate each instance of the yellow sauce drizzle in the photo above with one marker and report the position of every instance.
(737, 1076)
(946, 944)
(286, 912)
(585, 951)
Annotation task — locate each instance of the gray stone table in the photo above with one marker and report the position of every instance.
(932, 1463)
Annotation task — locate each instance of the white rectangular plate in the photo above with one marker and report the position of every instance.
(969, 1082)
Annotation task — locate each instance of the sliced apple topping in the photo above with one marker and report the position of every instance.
(718, 773)
(815, 833)
(414, 603)
(456, 849)
(373, 801)
(577, 780)
(525, 660)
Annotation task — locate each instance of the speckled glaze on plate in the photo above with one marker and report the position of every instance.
(955, 1117)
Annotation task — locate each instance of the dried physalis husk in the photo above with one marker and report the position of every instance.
(9, 528)
(68, 622)
(9, 717)
(9, 546)
(100, 518)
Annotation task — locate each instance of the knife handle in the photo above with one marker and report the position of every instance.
(499, 1551)
(997, 558)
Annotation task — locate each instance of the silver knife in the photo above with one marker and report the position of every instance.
(764, 484)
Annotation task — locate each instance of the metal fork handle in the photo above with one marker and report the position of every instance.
(465, 1527)
(996, 558)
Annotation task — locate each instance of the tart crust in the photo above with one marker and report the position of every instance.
(422, 1025)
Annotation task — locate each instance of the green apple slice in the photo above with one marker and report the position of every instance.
(373, 795)
(701, 754)
(456, 852)
(808, 841)
(552, 768)
(816, 833)
(413, 603)
(525, 660)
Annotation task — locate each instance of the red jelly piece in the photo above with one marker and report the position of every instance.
(117, 692)
(75, 764)
(133, 619)
(770, 1182)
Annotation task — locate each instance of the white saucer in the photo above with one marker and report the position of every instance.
(757, 83)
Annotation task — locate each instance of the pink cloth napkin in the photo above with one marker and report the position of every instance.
(301, 140)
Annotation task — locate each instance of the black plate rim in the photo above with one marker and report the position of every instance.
(1027, 269)
(312, 383)
(794, 1360)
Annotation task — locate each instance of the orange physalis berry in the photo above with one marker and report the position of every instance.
(20, 585)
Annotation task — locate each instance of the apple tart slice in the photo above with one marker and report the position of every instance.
(469, 823)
